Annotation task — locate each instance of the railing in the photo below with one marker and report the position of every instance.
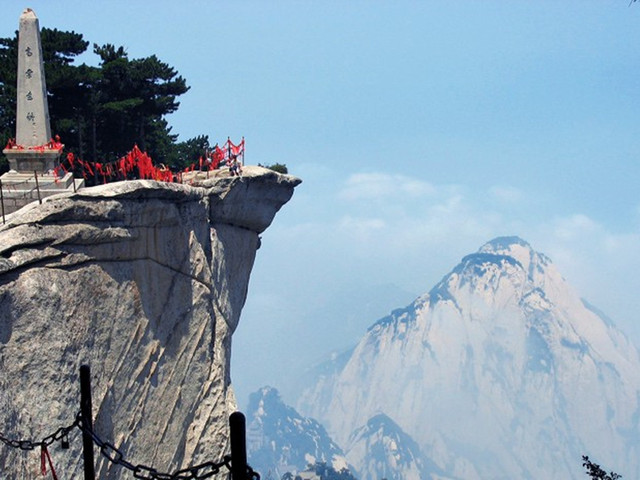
(134, 165)
(236, 463)
(30, 188)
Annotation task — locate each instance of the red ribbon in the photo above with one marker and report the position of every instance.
(50, 145)
(138, 160)
(44, 457)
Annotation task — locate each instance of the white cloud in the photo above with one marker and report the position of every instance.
(575, 227)
(413, 240)
(350, 223)
(600, 263)
(384, 186)
(506, 194)
(324, 244)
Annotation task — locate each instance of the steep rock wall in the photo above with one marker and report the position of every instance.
(144, 281)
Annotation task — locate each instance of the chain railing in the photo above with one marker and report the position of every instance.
(61, 434)
(13, 188)
(204, 470)
(238, 470)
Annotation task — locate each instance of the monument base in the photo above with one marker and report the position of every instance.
(20, 189)
(28, 161)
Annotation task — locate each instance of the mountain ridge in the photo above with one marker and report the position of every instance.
(501, 345)
(279, 440)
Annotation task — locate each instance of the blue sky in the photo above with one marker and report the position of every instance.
(421, 130)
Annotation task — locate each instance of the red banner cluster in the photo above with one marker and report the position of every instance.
(138, 165)
(134, 165)
(52, 144)
(224, 154)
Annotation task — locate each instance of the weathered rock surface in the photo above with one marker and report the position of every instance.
(144, 281)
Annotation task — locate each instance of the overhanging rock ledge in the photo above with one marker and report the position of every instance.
(144, 281)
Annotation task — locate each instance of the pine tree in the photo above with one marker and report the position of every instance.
(101, 112)
(597, 473)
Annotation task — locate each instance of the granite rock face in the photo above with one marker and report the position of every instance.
(144, 281)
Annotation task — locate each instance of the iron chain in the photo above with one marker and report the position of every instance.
(60, 434)
(115, 456)
(202, 471)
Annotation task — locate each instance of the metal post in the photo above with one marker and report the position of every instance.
(2, 202)
(87, 421)
(238, 446)
(73, 178)
(35, 173)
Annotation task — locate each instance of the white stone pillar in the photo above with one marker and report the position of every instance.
(32, 120)
(32, 111)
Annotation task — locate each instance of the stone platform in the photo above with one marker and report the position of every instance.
(20, 188)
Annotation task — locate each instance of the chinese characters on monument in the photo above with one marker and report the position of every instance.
(32, 150)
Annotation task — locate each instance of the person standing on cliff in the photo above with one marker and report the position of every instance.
(234, 166)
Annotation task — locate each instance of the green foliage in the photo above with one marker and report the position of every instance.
(132, 98)
(67, 84)
(597, 473)
(101, 112)
(278, 167)
(329, 473)
(191, 150)
(69, 87)
(8, 93)
(324, 471)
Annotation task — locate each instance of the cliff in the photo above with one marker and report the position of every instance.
(144, 281)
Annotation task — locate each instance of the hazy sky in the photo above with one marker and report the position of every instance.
(421, 130)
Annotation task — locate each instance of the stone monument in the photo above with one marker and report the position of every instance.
(33, 149)
(33, 154)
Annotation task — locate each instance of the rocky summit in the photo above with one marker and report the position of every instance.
(500, 371)
(385, 451)
(281, 441)
(144, 281)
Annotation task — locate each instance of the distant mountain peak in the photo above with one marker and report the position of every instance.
(509, 258)
(504, 243)
(280, 440)
(500, 371)
(391, 453)
(518, 249)
(268, 393)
